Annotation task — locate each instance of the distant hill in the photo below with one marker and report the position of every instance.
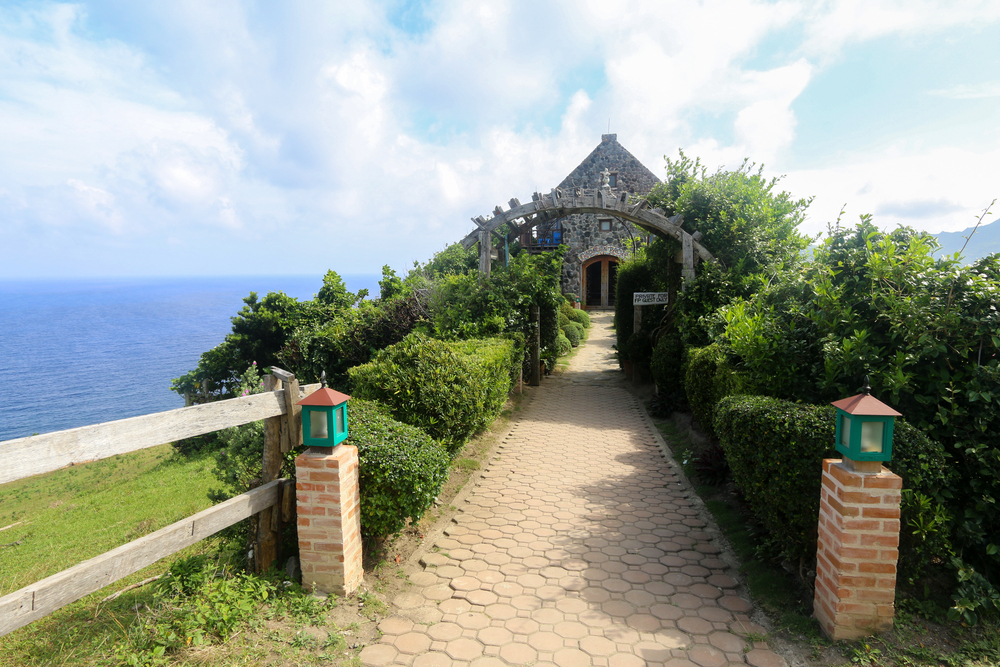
(985, 241)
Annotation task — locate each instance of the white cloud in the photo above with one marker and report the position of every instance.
(835, 23)
(965, 91)
(211, 129)
(915, 189)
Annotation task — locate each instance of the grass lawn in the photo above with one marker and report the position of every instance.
(54, 521)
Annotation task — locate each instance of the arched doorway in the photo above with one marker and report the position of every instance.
(600, 278)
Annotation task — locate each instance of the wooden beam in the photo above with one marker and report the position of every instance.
(46, 596)
(514, 203)
(485, 247)
(281, 374)
(38, 454)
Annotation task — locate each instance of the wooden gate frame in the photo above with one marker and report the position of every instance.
(556, 204)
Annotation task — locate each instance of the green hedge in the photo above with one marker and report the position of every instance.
(449, 389)
(574, 332)
(667, 364)
(708, 378)
(571, 334)
(563, 345)
(634, 275)
(402, 469)
(775, 450)
(580, 317)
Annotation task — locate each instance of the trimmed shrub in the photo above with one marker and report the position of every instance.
(449, 389)
(351, 338)
(579, 329)
(563, 318)
(639, 348)
(572, 334)
(402, 469)
(708, 379)
(563, 345)
(667, 363)
(634, 275)
(775, 450)
(580, 317)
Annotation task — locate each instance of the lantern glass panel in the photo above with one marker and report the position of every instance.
(845, 431)
(871, 436)
(340, 420)
(318, 425)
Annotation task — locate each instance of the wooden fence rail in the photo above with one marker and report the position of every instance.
(273, 501)
(46, 596)
(37, 454)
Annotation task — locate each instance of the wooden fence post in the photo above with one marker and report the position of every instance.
(534, 343)
(268, 535)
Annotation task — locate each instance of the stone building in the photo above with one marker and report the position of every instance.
(596, 242)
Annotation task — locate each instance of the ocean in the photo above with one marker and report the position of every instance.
(85, 351)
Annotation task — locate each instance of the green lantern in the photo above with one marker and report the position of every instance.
(864, 427)
(324, 417)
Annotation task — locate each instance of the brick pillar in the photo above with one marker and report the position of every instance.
(857, 549)
(329, 520)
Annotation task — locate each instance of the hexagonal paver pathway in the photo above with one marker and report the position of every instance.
(579, 546)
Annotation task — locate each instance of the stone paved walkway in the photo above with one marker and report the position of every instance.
(579, 546)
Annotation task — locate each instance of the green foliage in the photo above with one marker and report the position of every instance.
(775, 450)
(401, 469)
(259, 331)
(199, 602)
(667, 363)
(351, 338)
(746, 223)
(453, 260)
(563, 345)
(926, 330)
(634, 275)
(572, 332)
(391, 285)
(334, 295)
(449, 389)
(639, 348)
(708, 379)
(975, 597)
(579, 316)
(469, 306)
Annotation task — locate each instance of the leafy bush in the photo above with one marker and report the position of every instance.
(571, 333)
(563, 317)
(352, 337)
(634, 275)
(449, 389)
(775, 450)
(667, 363)
(639, 348)
(708, 379)
(401, 469)
(580, 317)
(563, 346)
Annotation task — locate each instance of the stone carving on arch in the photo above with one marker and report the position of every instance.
(557, 203)
(612, 250)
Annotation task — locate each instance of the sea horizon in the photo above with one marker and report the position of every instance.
(87, 350)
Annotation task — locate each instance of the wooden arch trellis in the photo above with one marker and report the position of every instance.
(557, 204)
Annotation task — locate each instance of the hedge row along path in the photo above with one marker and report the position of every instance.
(580, 545)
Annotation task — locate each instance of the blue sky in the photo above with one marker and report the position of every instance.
(193, 138)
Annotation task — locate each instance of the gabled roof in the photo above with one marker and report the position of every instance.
(865, 404)
(633, 176)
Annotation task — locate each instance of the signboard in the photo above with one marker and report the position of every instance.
(650, 298)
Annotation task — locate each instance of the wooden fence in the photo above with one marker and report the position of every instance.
(273, 501)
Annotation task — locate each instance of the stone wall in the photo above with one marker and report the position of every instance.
(633, 176)
(581, 232)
